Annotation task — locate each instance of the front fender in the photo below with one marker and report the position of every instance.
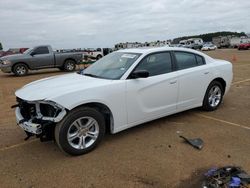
(112, 96)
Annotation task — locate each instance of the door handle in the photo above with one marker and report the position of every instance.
(206, 72)
(173, 82)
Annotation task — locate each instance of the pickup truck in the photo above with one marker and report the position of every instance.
(97, 53)
(39, 57)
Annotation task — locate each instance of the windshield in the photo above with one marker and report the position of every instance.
(112, 66)
(208, 45)
(28, 51)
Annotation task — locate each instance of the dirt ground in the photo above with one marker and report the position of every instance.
(149, 155)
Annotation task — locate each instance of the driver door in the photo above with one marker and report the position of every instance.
(42, 58)
(154, 96)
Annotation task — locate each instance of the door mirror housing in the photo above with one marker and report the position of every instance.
(139, 74)
(33, 53)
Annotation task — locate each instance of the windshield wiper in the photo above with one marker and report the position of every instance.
(91, 75)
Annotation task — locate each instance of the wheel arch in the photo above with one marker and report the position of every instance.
(99, 55)
(70, 58)
(222, 82)
(12, 68)
(105, 110)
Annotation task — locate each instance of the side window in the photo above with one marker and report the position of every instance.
(200, 60)
(185, 60)
(156, 64)
(42, 50)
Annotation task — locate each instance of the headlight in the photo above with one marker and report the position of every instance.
(6, 62)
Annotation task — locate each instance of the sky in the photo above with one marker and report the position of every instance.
(103, 23)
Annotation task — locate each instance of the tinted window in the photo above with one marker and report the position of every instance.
(42, 50)
(200, 60)
(185, 60)
(156, 64)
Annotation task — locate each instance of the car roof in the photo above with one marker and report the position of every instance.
(156, 49)
(148, 50)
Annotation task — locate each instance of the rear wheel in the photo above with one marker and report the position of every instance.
(213, 96)
(69, 65)
(20, 69)
(80, 131)
(98, 57)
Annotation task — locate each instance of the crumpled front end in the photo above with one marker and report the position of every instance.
(39, 117)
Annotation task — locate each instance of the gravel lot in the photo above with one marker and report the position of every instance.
(149, 155)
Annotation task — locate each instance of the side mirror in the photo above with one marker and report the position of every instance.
(33, 53)
(139, 74)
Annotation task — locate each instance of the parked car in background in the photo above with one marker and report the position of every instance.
(193, 43)
(12, 51)
(244, 46)
(208, 47)
(236, 41)
(1, 53)
(39, 57)
(97, 53)
(193, 46)
(121, 90)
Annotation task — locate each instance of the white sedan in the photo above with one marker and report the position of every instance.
(208, 47)
(121, 90)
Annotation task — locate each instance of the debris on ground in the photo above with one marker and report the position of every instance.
(226, 177)
(196, 142)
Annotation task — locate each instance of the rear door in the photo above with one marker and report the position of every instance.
(42, 57)
(155, 96)
(194, 76)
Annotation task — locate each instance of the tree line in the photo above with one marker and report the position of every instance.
(208, 36)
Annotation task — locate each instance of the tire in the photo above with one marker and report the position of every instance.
(98, 57)
(69, 65)
(20, 69)
(213, 96)
(73, 137)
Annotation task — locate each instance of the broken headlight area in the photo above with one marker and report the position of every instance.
(39, 117)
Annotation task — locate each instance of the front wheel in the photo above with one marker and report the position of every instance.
(213, 96)
(80, 131)
(20, 69)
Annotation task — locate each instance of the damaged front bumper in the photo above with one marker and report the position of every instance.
(28, 126)
(38, 117)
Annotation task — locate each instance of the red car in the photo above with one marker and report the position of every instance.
(244, 46)
(12, 51)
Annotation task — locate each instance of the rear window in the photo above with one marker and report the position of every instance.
(200, 60)
(186, 60)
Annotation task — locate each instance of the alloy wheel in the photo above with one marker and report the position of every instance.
(215, 95)
(70, 66)
(20, 70)
(83, 132)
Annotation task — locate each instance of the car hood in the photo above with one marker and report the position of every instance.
(56, 86)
